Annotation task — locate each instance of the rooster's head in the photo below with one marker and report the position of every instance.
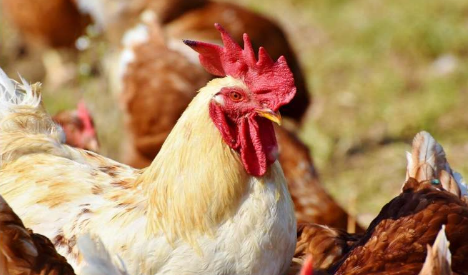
(243, 110)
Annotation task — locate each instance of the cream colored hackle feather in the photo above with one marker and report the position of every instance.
(195, 207)
(427, 161)
(98, 260)
(439, 259)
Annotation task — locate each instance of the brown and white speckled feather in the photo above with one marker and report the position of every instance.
(235, 223)
(23, 252)
(427, 161)
(438, 259)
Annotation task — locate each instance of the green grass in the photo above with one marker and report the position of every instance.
(372, 66)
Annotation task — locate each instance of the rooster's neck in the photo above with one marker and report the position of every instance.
(196, 181)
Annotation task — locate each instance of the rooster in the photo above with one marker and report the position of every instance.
(78, 127)
(158, 76)
(215, 194)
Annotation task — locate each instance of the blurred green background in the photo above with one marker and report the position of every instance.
(380, 71)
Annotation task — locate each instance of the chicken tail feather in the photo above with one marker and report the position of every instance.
(439, 259)
(427, 161)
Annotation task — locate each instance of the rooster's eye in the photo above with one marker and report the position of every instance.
(236, 96)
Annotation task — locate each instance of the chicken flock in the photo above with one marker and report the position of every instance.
(210, 184)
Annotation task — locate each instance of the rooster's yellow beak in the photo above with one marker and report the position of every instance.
(269, 114)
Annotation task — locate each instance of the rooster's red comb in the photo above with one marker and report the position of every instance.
(263, 76)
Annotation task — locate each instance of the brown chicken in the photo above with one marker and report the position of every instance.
(54, 23)
(78, 127)
(114, 17)
(433, 197)
(438, 260)
(23, 252)
(396, 241)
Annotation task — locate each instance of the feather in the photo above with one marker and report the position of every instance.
(438, 259)
(97, 258)
(324, 244)
(13, 94)
(427, 161)
(25, 252)
(21, 113)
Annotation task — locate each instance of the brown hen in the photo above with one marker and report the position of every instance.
(78, 127)
(396, 241)
(55, 23)
(23, 252)
(438, 259)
